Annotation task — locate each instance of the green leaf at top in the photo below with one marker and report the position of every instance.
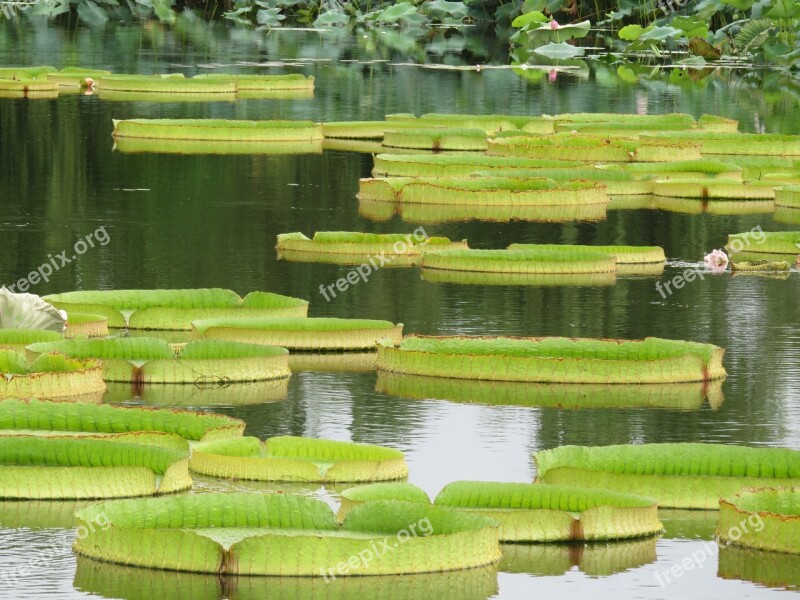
(784, 9)
(528, 18)
(631, 32)
(396, 12)
(545, 33)
(660, 33)
(441, 9)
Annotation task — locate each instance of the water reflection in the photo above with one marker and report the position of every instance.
(130, 583)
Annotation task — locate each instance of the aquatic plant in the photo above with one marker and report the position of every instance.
(554, 360)
(283, 534)
(732, 143)
(489, 124)
(760, 266)
(77, 76)
(716, 260)
(28, 88)
(684, 475)
(436, 139)
(457, 165)
(360, 130)
(29, 311)
(301, 333)
(142, 361)
(250, 82)
(704, 188)
(520, 261)
(374, 492)
(567, 396)
(544, 513)
(221, 130)
(50, 375)
(174, 309)
(568, 146)
(787, 196)
(68, 417)
(772, 514)
(86, 325)
(624, 255)
(767, 242)
(688, 169)
(17, 339)
(112, 95)
(616, 181)
(52, 467)
(441, 213)
(493, 191)
(352, 247)
(192, 147)
(287, 458)
(173, 84)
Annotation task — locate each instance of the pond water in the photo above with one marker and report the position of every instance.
(211, 221)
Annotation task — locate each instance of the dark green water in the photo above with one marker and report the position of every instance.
(211, 221)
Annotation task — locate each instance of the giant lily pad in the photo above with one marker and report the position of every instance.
(677, 475)
(51, 467)
(544, 513)
(142, 360)
(287, 458)
(175, 309)
(554, 360)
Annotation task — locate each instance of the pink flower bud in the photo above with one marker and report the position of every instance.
(554, 24)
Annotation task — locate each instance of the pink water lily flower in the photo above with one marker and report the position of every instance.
(554, 24)
(552, 76)
(716, 260)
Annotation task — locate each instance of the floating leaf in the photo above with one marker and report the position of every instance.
(529, 18)
(562, 50)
